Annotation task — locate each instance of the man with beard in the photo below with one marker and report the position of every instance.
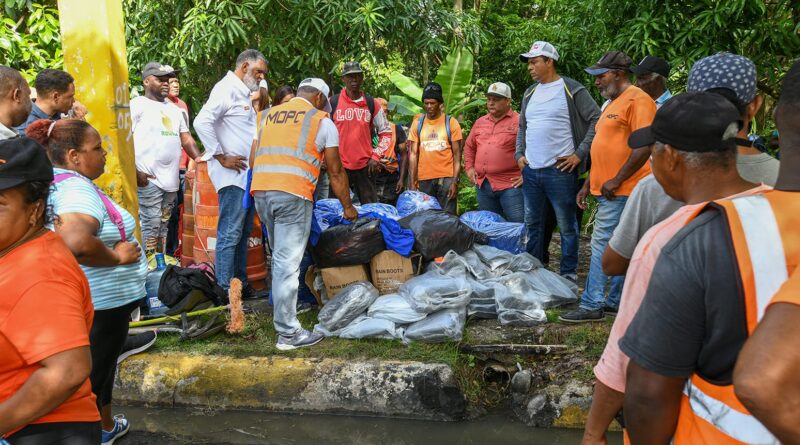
(159, 131)
(226, 125)
(616, 169)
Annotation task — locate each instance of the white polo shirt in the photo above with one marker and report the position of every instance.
(226, 125)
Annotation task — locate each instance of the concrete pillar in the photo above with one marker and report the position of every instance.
(93, 40)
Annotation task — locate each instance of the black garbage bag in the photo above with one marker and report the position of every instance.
(436, 232)
(349, 244)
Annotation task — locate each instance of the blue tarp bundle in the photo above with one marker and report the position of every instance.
(413, 201)
(328, 213)
(508, 236)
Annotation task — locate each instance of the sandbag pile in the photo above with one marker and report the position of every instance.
(484, 282)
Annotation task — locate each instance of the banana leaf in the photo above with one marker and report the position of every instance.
(407, 86)
(455, 77)
(463, 107)
(403, 105)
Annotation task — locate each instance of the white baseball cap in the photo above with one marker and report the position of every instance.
(499, 89)
(321, 86)
(540, 48)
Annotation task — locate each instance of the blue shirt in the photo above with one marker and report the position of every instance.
(36, 114)
(111, 286)
(663, 98)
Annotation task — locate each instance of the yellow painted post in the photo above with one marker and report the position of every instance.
(93, 40)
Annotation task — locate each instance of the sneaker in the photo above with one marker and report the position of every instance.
(303, 307)
(610, 311)
(301, 339)
(121, 427)
(250, 293)
(135, 344)
(571, 277)
(582, 315)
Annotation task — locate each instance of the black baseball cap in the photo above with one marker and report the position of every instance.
(652, 64)
(612, 60)
(158, 70)
(698, 122)
(23, 160)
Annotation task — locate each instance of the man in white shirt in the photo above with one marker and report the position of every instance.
(556, 130)
(15, 101)
(226, 125)
(159, 131)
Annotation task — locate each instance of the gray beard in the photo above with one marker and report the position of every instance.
(250, 82)
(610, 92)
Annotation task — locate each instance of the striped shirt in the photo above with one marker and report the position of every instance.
(111, 286)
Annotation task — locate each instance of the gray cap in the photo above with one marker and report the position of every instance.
(499, 89)
(538, 49)
(157, 69)
(351, 68)
(724, 70)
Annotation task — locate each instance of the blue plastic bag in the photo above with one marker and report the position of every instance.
(508, 236)
(412, 201)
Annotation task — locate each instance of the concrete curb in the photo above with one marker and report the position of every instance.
(280, 384)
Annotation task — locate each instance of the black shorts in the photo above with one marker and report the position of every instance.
(58, 433)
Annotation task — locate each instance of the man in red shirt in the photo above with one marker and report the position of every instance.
(357, 115)
(173, 233)
(489, 156)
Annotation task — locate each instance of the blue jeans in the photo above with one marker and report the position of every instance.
(508, 203)
(288, 221)
(233, 230)
(606, 220)
(543, 185)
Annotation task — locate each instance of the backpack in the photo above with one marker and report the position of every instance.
(446, 127)
(178, 283)
(370, 104)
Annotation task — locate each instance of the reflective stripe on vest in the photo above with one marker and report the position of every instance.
(287, 158)
(712, 413)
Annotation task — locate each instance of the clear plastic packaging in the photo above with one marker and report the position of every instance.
(368, 327)
(394, 308)
(431, 292)
(412, 201)
(351, 302)
(561, 290)
(442, 326)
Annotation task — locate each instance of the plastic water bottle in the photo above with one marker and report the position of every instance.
(154, 305)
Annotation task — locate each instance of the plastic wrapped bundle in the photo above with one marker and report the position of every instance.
(437, 232)
(478, 270)
(561, 291)
(522, 301)
(482, 302)
(366, 327)
(351, 302)
(412, 201)
(349, 244)
(431, 292)
(394, 308)
(446, 325)
(508, 236)
(456, 265)
(501, 262)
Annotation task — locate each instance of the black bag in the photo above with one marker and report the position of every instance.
(178, 283)
(349, 244)
(436, 232)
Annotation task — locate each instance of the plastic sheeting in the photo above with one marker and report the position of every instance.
(395, 308)
(501, 262)
(431, 292)
(349, 245)
(364, 327)
(508, 236)
(436, 232)
(446, 325)
(412, 201)
(351, 302)
(328, 213)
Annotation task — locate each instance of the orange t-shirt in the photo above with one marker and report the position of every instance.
(435, 153)
(46, 308)
(789, 291)
(632, 110)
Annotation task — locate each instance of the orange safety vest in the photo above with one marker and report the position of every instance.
(389, 157)
(287, 158)
(766, 242)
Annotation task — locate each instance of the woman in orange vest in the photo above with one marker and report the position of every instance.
(286, 158)
(709, 291)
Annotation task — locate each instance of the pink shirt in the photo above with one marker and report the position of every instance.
(612, 368)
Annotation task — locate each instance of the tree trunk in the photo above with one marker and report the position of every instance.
(459, 5)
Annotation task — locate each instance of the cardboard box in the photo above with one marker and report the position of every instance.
(389, 270)
(337, 278)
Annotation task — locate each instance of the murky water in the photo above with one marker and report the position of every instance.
(241, 427)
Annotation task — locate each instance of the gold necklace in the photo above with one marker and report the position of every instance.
(23, 240)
